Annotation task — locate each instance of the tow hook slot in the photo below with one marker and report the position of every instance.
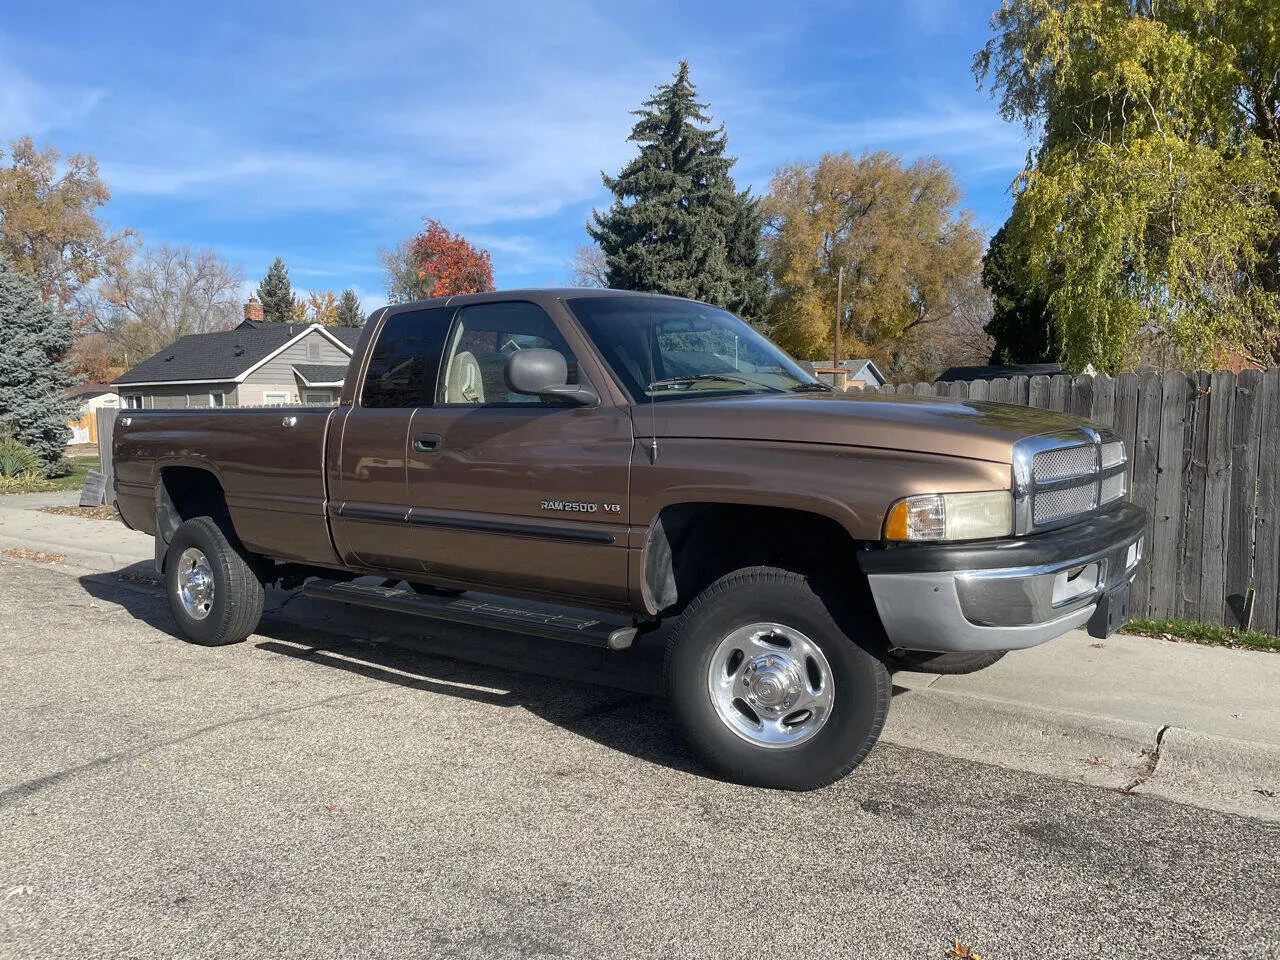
(1076, 582)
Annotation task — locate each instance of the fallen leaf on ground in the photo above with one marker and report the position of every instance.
(1099, 761)
(332, 809)
(1098, 645)
(962, 951)
(103, 512)
(36, 555)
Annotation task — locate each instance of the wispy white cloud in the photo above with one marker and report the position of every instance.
(34, 108)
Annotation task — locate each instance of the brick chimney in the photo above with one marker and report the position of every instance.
(253, 309)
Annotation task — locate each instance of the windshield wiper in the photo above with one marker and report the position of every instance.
(717, 377)
(811, 388)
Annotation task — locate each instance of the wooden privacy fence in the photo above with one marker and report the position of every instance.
(1204, 461)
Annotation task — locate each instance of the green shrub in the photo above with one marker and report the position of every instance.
(17, 460)
(59, 469)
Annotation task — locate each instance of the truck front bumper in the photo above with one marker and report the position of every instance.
(1008, 594)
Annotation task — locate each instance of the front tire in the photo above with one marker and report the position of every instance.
(768, 687)
(215, 595)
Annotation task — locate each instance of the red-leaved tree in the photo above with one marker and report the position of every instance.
(448, 264)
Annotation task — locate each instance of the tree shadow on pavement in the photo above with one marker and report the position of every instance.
(609, 697)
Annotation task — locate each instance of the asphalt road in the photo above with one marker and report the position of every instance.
(327, 793)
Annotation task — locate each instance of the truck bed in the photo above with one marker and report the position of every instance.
(269, 461)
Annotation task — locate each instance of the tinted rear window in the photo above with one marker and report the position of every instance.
(402, 370)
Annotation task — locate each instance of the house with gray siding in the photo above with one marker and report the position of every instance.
(255, 364)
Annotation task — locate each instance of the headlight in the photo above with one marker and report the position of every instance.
(951, 516)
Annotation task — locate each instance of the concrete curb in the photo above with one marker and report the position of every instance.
(1082, 748)
(1236, 776)
(1186, 766)
(79, 559)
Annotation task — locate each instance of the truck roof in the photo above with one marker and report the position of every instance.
(530, 293)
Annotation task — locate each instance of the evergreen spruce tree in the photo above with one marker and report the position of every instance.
(35, 340)
(276, 294)
(349, 313)
(751, 286)
(678, 224)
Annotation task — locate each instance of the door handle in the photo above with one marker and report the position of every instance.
(427, 442)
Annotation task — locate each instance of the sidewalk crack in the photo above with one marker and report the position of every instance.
(1150, 761)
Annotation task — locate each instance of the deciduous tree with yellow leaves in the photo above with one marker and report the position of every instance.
(50, 226)
(910, 253)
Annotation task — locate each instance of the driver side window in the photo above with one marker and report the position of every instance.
(482, 338)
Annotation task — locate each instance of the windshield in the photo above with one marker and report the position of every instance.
(665, 349)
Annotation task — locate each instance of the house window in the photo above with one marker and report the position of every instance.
(133, 401)
(319, 398)
(313, 349)
(275, 399)
(217, 399)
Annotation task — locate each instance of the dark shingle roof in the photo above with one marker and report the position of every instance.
(223, 355)
(87, 390)
(321, 372)
(1001, 370)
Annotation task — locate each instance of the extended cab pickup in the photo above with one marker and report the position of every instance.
(607, 461)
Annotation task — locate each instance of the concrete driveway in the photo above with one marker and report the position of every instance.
(338, 786)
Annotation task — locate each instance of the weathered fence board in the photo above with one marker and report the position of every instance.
(1191, 536)
(1080, 402)
(1143, 455)
(1243, 496)
(1266, 551)
(1103, 410)
(1217, 487)
(1039, 392)
(1169, 497)
(1059, 392)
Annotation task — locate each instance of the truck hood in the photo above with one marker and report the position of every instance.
(957, 428)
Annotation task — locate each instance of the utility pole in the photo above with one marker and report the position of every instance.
(839, 309)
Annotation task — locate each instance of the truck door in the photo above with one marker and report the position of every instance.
(369, 498)
(507, 489)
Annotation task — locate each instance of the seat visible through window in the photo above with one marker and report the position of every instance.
(484, 336)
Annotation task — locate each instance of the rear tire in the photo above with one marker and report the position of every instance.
(958, 662)
(767, 686)
(215, 595)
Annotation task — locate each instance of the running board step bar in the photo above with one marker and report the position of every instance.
(478, 610)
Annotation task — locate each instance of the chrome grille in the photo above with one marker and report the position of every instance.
(1064, 476)
(1065, 462)
(1059, 502)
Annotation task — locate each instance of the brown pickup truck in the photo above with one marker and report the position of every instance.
(605, 462)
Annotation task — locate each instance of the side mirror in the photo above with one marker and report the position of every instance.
(544, 373)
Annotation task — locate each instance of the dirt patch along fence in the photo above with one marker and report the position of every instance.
(1204, 461)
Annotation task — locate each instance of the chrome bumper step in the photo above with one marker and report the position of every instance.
(480, 610)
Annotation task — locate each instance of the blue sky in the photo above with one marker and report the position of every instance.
(320, 131)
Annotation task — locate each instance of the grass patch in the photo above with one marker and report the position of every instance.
(104, 512)
(38, 483)
(1207, 633)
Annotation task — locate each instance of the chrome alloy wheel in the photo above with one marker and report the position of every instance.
(771, 685)
(195, 583)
